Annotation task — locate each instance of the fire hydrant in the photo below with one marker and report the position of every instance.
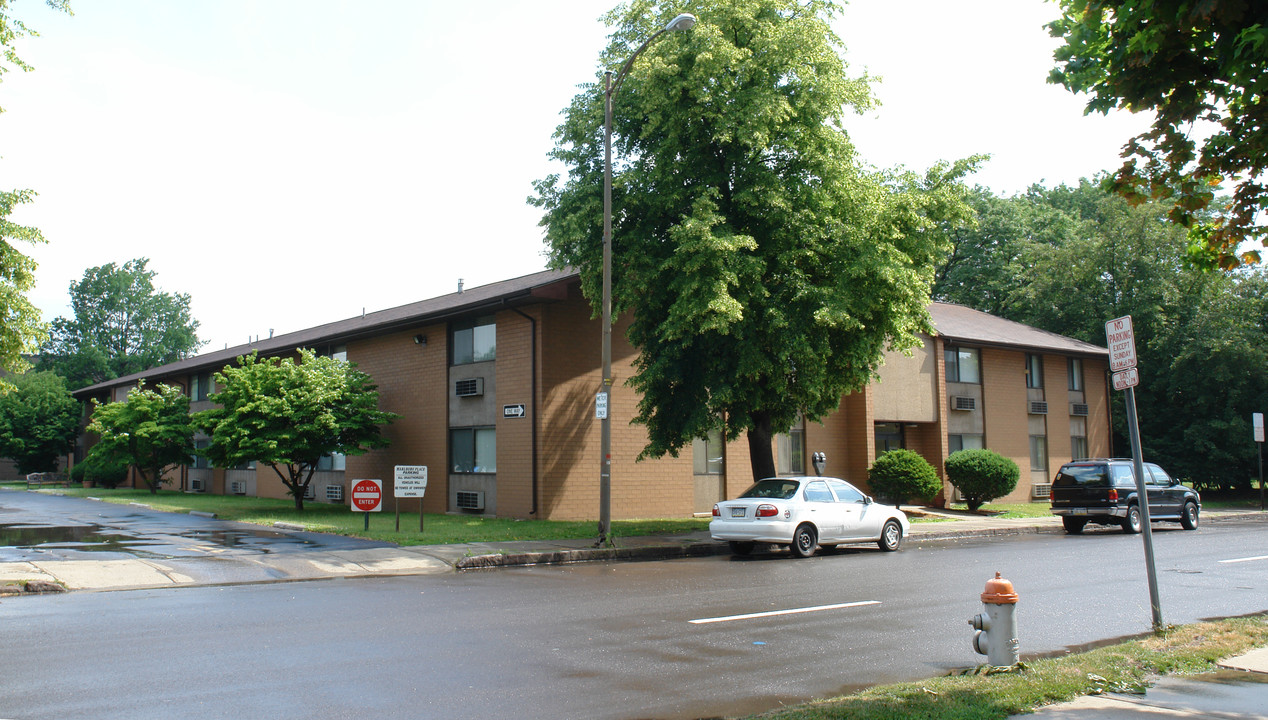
(996, 635)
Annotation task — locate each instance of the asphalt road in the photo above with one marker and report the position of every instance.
(602, 640)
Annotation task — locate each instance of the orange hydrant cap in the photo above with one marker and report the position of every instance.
(999, 592)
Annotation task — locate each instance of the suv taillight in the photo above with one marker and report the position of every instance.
(1113, 495)
(716, 511)
(767, 510)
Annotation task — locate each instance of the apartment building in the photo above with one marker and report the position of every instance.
(495, 388)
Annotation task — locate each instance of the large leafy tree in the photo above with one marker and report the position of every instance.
(150, 430)
(1188, 62)
(764, 267)
(1084, 257)
(122, 325)
(289, 415)
(21, 328)
(39, 421)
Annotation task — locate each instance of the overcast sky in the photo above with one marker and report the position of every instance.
(288, 163)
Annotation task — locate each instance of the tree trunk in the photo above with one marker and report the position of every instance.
(761, 454)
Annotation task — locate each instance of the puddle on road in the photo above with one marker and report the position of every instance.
(95, 538)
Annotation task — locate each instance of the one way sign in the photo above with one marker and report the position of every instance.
(514, 411)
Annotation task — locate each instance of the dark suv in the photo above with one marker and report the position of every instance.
(1101, 490)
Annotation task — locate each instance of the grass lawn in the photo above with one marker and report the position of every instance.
(1123, 668)
(438, 529)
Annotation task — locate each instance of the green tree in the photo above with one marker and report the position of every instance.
(39, 421)
(289, 415)
(1187, 62)
(150, 430)
(764, 267)
(981, 475)
(22, 329)
(122, 325)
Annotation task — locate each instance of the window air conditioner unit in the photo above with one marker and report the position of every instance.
(470, 500)
(962, 402)
(238, 487)
(1041, 491)
(1078, 409)
(197, 485)
(310, 492)
(471, 387)
(1038, 408)
(334, 493)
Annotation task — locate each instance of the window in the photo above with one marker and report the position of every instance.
(1078, 447)
(473, 450)
(889, 436)
(962, 365)
(964, 442)
(706, 455)
(846, 493)
(474, 341)
(334, 461)
(818, 491)
(200, 386)
(1075, 367)
(1039, 454)
(199, 460)
(1034, 371)
(790, 448)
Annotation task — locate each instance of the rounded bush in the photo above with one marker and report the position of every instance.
(981, 475)
(898, 475)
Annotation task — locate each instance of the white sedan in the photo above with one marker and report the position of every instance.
(805, 513)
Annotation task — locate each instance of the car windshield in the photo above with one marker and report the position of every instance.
(1082, 475)
(773, 488)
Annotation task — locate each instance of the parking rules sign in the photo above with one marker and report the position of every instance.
(1122, 343)
(411, 481)
(367, 495)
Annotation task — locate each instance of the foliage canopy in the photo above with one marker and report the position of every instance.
(39, 421)
(150, 430)
(289, 415)
(981, 475)
(122, 325)
(1188, 62)
(899, 475)
(763, 266)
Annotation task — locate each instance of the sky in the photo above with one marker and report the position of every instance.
(289, 163)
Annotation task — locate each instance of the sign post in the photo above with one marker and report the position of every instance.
(367, 496)
(1122, 346)
(1257, 419)
(411, 482)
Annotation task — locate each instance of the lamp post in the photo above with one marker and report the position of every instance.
(603, 403)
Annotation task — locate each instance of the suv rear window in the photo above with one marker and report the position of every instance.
(1088, 475)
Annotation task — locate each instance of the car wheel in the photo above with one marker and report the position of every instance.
(1131, 523)
(891, 536)
(741, 548)
(804, 541)
(1189, 516)
(1073, 525)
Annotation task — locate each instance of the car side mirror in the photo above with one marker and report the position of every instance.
(867, 499)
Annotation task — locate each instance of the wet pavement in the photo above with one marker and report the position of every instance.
(87, 545)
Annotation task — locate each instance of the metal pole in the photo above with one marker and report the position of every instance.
(1142, 498)
(605, 459)
(1261, 477)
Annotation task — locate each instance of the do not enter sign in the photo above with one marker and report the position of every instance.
(367, 495)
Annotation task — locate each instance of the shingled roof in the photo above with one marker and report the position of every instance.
(956, 323)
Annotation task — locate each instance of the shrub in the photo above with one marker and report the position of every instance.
(981, 475)
(898, 475)
(105, 473)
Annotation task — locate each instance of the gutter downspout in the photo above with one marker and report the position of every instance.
(532, 322)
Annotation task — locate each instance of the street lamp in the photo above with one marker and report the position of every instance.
(682, 22)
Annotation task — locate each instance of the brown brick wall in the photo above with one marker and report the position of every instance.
(515, 435)
(1004, 401)
(412, 381)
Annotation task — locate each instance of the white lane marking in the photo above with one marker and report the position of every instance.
(773, 613)
(1248, 559)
